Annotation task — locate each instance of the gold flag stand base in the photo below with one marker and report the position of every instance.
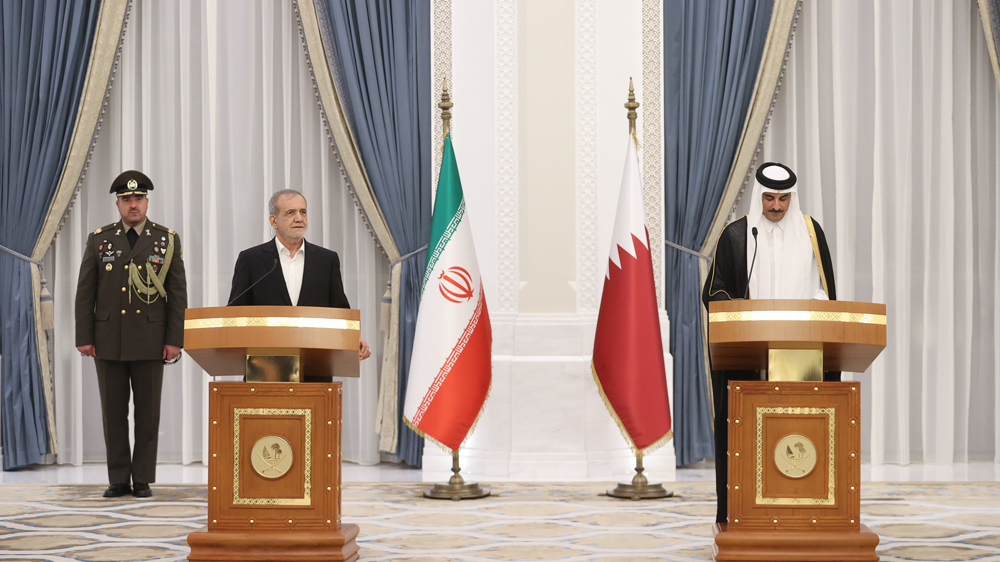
(639, 488)
(456, 488)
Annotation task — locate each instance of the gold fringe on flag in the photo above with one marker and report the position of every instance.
(621, 427)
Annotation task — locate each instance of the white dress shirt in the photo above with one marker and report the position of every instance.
(292, 268)
(772, 252)
(779, 275)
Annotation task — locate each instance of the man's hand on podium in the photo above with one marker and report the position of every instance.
(363, 351)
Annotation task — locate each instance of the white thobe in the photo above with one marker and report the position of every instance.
(778, 275)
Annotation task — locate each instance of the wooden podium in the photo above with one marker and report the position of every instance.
(795, 441)
(274, 485)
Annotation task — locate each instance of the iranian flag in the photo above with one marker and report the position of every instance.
(451, 368)
(628, 352)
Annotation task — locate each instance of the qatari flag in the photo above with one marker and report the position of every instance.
(628, 352)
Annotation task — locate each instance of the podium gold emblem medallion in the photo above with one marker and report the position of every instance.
(795, 456)
(271, 456)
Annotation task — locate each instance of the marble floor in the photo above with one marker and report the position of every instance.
(197, 473)
(520, 521)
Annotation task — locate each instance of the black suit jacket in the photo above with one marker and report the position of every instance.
(322, 284)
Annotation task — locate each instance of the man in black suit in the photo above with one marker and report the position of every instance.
(288, 270)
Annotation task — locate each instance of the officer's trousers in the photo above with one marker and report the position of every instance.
(115, 380)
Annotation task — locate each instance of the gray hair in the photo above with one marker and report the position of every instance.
(272, 205)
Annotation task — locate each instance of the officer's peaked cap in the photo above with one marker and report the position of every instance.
(131, 182)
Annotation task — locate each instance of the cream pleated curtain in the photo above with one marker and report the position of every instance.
(214, 101)
(889, 115)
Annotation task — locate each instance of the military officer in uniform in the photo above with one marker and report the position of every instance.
(130, 303)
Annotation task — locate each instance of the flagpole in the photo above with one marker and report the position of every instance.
(456, 488)
(445, 107)
(639, 488)
(631, 105)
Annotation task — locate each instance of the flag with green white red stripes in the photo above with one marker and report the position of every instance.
(451, 366)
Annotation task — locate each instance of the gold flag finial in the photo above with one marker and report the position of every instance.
(445, 107)
(631, 105)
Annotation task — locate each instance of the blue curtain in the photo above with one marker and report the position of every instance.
(993, 6)
(712, 50)
(45, 52)
(383, 53)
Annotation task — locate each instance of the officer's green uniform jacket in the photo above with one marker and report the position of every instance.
(131, 321)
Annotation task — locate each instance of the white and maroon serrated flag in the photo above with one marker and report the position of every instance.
(628, 352)
(451, 366)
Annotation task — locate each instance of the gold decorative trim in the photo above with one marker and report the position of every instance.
(798, 316)
(711, 283)
(306, 414)
(991, 21)
(831, 414)
(817, 255)
(639, 453)
(273, 322)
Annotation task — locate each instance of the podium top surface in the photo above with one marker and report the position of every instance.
(270, 312)
(271, 327)
(775, 307)
(741, 332)
(325, 339)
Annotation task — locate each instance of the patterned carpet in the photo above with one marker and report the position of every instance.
(568, 522)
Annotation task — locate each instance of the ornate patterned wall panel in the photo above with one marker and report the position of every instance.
(589, 264)
(441, 72)
(505, 59)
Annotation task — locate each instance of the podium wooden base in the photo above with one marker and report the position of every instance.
(788, 546)
(308, 546)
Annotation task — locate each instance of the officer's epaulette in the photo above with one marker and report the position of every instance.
(160, 227)
(105, 227)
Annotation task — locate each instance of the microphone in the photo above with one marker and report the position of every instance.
(269, 272)
(746, 295)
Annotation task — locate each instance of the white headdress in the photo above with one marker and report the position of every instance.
(799, 275)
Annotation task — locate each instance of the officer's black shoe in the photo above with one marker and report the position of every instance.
(142, 490)
(117, 490)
